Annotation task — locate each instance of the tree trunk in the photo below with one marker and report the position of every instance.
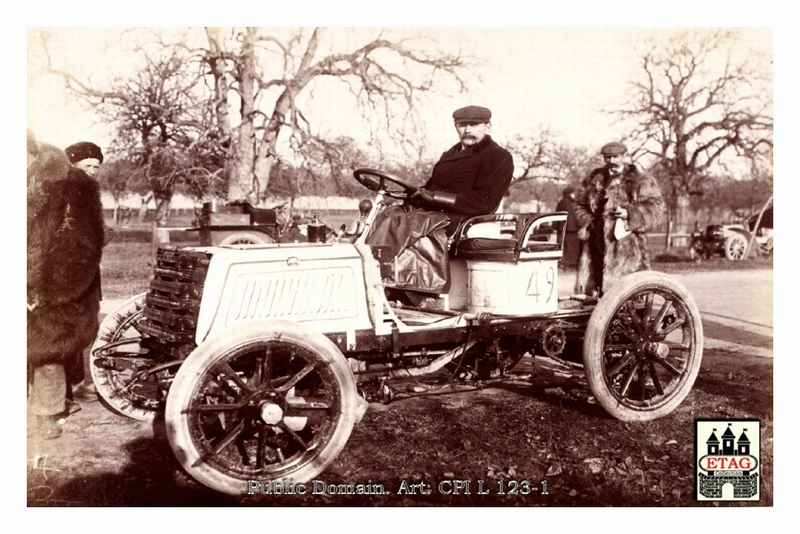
(241, 184)
(162, 211)
(682, 213)
(144, 208)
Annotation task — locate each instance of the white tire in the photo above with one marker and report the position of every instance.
(247, 238)
(643, 347)
(735, 247)
(264, 401)
(119, 386)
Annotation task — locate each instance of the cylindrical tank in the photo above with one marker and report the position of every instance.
(316, 230)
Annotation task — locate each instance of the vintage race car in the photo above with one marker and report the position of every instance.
(260, 356)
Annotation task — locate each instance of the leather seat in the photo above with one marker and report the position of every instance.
(484, 249)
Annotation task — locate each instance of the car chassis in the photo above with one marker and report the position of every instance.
(260, 356)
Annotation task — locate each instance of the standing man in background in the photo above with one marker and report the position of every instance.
(617, 204)
(88, 157)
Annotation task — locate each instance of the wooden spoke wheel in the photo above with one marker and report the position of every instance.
(735, 247)
(117, 360)
(247, 238)
(643, 347)
(263, 401)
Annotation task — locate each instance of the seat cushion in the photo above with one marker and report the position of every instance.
(486, 249)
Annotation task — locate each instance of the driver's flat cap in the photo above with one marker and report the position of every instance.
(613, 149)
(472, 113)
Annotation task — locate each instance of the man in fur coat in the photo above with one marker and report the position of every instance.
(65, 242)
(615, 207)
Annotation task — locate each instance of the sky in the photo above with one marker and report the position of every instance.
(563, 79)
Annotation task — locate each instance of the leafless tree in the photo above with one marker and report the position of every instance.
(385, 77)
(700, 102)
(114, 178)
(160, 121)
(223, 99)
(543, 165)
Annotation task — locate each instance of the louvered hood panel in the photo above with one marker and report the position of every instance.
(318, 284)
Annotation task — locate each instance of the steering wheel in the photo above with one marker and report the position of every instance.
(390, 184)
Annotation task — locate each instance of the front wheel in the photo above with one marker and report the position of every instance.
(264, 402)
(643, 347)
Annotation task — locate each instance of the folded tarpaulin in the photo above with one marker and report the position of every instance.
(415, 242)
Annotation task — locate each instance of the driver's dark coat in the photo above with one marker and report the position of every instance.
(479, 176)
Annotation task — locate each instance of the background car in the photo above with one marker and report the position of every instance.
(731, 240)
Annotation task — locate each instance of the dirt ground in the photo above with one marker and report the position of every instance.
(534, 438)
(538, 428)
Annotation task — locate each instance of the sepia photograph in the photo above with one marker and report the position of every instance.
(401, 266)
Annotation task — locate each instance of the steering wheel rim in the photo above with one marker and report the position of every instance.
(405, 191)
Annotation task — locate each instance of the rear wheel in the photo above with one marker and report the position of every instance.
(264, 401)
(117, 361)
(643, 347)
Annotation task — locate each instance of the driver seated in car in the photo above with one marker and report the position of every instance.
(470, 178)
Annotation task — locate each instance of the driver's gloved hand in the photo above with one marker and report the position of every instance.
(422, 196)
(433, 200)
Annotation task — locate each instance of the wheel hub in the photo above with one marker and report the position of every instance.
(270, 412)
(654, 349)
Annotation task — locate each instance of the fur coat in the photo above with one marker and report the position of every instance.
(604, 259)
(65, 241)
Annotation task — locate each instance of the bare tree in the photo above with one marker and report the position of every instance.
(699, 100)
(114, 178)
(160, 121)
(543, 164)
(236, 93)
(385, 77)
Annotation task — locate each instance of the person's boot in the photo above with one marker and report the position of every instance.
(46, 427)
(72, 407)
(84, 392)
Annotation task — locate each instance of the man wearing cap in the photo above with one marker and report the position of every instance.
(472, 177)
(614, 208)
(87, 157)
